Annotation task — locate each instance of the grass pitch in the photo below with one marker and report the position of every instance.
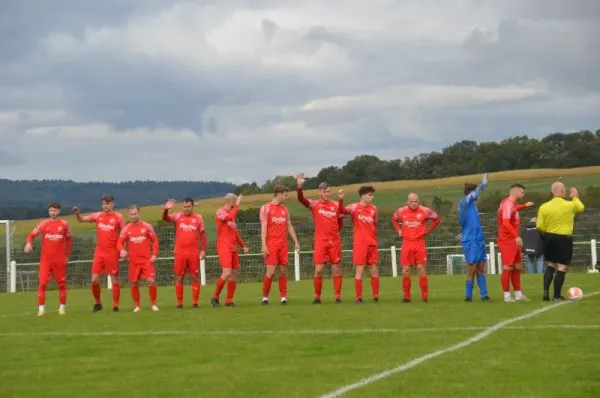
(303, 350)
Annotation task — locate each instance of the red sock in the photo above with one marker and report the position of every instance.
(358, 288)
(406, 284)
(424, 285)
(506, 277)
(116, 288)
(516, 279)
(375, 286)
(318, 283)
(62, 293)
(41, 294)
(153, 293)
(135, 295)
(195, 292)
(267, 286)
(220, 284)
(283, 286)
(231, 285)
(337, 286)
(96, 292)
(179, 293)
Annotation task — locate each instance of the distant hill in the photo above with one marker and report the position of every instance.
(24, 199)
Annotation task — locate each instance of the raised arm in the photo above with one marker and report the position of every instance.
(470, 198)
(342, 209)
(305, 202)
(578, 206)
(223, 215)
(80, 218)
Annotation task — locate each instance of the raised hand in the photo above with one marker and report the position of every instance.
(170, 203)
(484, 178)
(340, 194)
(300, 180)
(76, 210)
(239, 199)
(574, 193)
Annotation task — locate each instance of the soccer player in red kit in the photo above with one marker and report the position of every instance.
(190, 247)
(106, 256)
(411, 223)
(328, 244)
(510, 243)
(142, 249)
(56, 240)
(365, 251)
(228, 239)
(275, 224)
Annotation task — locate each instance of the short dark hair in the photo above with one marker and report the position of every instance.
(469, 187)
(108, 198)
(277, 189)
(324, 185)
(188, 199)
(54, 205)
(365, 189)
(517, 186)
(134, 207)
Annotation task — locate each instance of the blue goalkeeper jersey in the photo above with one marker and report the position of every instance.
(468, 215)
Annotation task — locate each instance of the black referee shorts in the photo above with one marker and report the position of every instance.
(558, 248)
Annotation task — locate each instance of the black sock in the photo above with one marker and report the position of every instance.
(558, 283)
(548, 276)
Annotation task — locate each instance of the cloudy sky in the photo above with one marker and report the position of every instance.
(243, 90)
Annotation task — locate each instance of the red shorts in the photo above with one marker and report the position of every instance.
(139, 271)
(327, 251)
(278, 254)
(187, 263)
(413, 253)
(365, 255)
(106, 263)
(510, 253)
(48, 268)
(229, 258)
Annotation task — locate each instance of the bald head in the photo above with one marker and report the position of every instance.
(413, 201)
(558, 189)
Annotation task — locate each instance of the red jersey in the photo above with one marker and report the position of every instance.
(108, 229)
(228, 236)
(56, 240)
(364, 219)
(189, 232)
(325, 215)
(508, 220)
(139, 237)
(413, 223)
(277, 217)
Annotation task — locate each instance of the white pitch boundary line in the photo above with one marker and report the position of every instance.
(417, 361)
(283, 332)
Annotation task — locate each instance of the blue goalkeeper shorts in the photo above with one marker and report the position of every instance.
(474, 251)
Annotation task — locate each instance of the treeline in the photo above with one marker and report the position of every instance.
(29, 199)
(558, 150)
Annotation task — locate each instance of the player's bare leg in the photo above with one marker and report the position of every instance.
(270, 272)
(358, 282)
(406, 283)
(179, 290)
(507, 271)
(231, 286)
(481, 281)
(318, 282)
(423, 281)
(221, 282)
(153, 292)
(96, 292)
(336, 272)
(116, 292)
(195, 290)
(516, 282)
(374, 268)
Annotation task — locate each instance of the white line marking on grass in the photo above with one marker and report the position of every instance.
(417, 361)
(282, 332)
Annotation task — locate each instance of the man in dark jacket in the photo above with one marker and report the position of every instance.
(533, 248)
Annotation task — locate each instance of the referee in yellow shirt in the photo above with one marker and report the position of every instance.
(555, 221)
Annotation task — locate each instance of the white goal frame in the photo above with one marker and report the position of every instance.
(11, 277)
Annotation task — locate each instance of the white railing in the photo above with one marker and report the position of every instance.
(494, 265)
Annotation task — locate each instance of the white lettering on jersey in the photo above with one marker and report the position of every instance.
(137, 239)
(188, 227)
(366, 219)
(412, 224)
(278, 220)
(327, 213)
(53, 236)
(106, 227)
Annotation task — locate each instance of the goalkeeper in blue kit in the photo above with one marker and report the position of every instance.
(473, 239)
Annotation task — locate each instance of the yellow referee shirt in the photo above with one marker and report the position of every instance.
(557, 215)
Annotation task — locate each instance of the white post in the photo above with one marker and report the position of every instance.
(8, 273)
(296, 265)
(203, 272)
(449, 265)
(13, 276)
(593, 269)
(394, 262)
(492, 259)
(108, 282)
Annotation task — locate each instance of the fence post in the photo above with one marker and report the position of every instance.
(8, 249)
(296, 265)
(394, 262)
(13, 276)
(593, 269)
(203, 272)
(492, 259)
(108, 282)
